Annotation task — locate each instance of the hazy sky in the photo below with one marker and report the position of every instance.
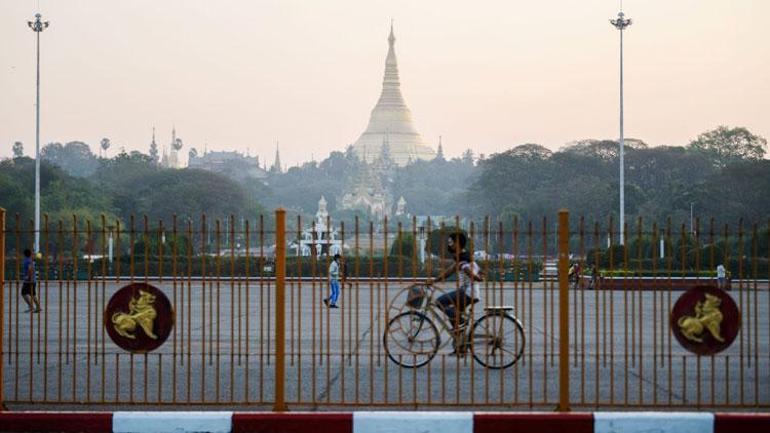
(486, 75)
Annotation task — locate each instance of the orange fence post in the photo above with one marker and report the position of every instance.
(563, 266)
(280, 297)
(2, 305)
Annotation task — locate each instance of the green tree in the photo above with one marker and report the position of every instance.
(74, 157)
(403, 245)
(531, 151)
(740, 190)
(468, 156)
(725, 145)
(18, 149)
(154, 152)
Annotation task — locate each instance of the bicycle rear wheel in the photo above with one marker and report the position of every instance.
(411, 339)
(497, 340)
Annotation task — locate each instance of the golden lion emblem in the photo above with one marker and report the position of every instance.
(140, 312)
(707, 317)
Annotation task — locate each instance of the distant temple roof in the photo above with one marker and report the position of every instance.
(230, 163)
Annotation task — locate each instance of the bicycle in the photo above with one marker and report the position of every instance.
(411, 339)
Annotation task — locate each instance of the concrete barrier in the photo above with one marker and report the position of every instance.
(382, 422)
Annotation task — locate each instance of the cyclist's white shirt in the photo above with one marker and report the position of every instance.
(466, 282)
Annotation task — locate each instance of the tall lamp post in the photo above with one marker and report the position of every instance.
(37, 26)
(692, 228)
(621, 23)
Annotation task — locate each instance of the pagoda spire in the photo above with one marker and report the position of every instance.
(154, 148)
(277, 163)
(440, 151)
(391, 83)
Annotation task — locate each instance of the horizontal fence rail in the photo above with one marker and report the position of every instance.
(251, 325)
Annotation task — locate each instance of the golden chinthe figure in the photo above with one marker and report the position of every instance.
(707, 317)
(140, 312)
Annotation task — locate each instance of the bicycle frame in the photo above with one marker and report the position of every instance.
(434, 312)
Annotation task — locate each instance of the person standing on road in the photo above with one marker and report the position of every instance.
(334, 282)
(29, 281)
(594, 277)
(721, 275)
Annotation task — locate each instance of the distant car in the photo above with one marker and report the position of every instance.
(481, 255)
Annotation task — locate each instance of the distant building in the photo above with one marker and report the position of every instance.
(401, 207)
(229, 163)
(367, 192)
(170, 158)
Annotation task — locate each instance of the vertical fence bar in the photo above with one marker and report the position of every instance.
(563, 310)
(262, 319)
(102, 305)
(204, 233)
(75, 249)
(46, 243)
(90, 252)
(357, 273)
(280, 330)
(2, 306)
(218, 271)
(31, 327)
(247, 277)
(597, 284)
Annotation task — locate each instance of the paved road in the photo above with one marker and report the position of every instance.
(222, 351)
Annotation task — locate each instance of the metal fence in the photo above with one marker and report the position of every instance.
(250, 326)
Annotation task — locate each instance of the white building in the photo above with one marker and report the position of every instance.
(318, 239)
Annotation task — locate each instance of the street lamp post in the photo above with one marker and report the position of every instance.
(621, 23)
(111, 228)
(692, 228)
(37, 26)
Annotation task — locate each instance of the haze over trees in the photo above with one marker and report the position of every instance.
(722, 172)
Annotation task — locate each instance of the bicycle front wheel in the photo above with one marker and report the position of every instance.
(411, 339)
(497, 340)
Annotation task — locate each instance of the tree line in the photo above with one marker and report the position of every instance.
(722, 174)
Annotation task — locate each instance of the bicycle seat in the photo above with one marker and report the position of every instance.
(499, 308)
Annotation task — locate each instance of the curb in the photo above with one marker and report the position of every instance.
(299, 422)
(371, 422)
(533, 422)
(86, 422)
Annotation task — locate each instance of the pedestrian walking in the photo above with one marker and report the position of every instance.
(334, 283)
(29, 283)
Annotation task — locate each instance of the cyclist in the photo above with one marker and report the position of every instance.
(468, 272)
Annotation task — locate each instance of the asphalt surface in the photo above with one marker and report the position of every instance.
(222, 352)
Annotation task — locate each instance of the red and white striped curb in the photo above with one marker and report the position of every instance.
(381, 422)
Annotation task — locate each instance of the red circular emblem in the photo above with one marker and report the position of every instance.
(139, 318)
(705, 320)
